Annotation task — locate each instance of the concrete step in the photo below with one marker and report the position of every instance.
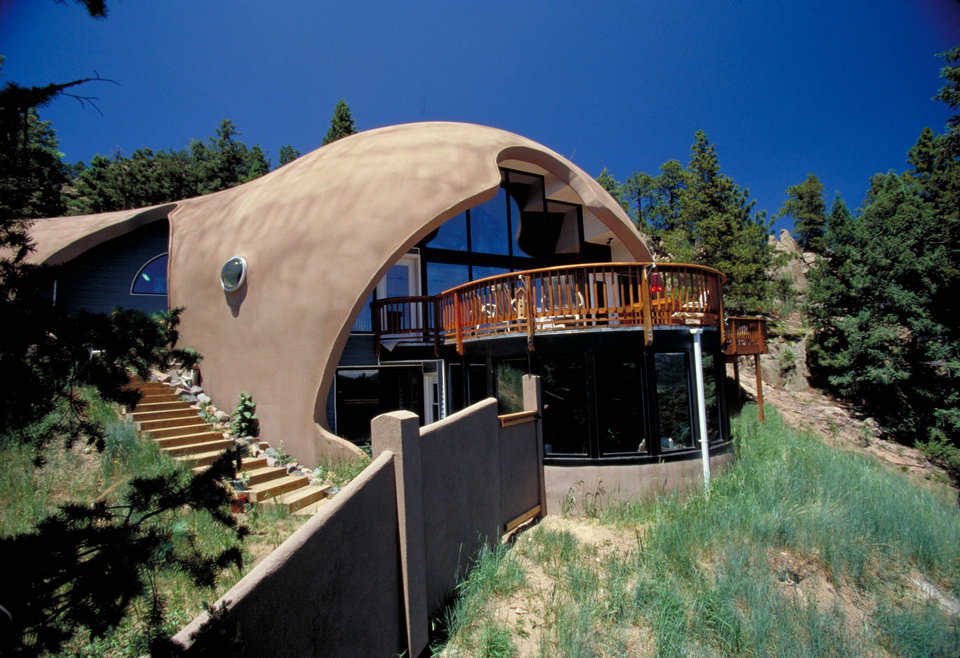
(177, 430)
(264, 474)
(188, 439)
(177, 421)
(198, 448)
(272, 488)
(144, 416)
(202, 459)
(302, 497)
(166, 405)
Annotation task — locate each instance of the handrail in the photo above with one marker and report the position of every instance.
(558, 298)
(746, 335)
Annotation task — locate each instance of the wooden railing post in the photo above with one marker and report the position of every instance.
(647, 314)
(528, 293)
(719, 285)
(437, 325)
(458, 322)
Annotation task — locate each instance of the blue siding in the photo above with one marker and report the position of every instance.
(99, 280)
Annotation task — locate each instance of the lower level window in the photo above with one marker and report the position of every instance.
(673, 401)
(565, 413)
(363, 393)
(620, 392)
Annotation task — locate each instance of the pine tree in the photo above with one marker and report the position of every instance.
(147, 178)
(288, 154)
(727, 232)
(881, 338)
(341, 124)
(806, 207)
(613, 187)
(31, 170)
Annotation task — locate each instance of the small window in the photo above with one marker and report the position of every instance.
(152, 277)
(233, 273)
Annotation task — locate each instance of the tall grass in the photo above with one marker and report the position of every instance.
(30, 493)
(705, 579)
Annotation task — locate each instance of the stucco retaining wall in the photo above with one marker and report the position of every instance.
(362, 576)
(333, 588)
(583, 486)
(452, 476)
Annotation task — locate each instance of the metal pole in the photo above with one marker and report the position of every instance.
(736, 376)
(756, 365)
(701, 408)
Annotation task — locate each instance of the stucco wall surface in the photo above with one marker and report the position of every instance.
(333, 588)
(609, 483)
(317, 235)
(461, 493)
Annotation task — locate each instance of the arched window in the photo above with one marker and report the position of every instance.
(151, 279)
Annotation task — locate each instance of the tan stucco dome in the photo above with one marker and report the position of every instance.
(317, 235)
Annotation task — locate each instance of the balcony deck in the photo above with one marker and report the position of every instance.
(745, 335)
(557, 299)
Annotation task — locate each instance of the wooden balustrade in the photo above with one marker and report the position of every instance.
(406, 320)
(564, 298)
(746, 335)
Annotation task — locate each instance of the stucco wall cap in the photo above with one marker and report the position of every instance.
(58, 240)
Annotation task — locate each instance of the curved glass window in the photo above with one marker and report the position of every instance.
(152, 277)
(673, 402)
(620, 405)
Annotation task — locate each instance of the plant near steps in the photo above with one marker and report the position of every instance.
(244, 421)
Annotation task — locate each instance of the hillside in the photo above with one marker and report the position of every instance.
(799, 549)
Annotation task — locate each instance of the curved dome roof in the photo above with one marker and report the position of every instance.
(317, 235)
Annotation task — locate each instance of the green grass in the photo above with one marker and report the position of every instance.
(29, 494)
(706, 577)
(495, 573)
(340, 472)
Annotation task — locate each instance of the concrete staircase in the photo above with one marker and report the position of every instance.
(177, 428)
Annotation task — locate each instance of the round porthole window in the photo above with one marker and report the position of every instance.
(233, 273)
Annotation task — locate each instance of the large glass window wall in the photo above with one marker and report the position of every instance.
(515, 230)
(620, 404)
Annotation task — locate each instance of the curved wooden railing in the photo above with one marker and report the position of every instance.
(552, 299)
(746, 335)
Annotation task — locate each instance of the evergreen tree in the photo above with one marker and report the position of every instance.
(341, 124)
(147, 178)
(697, 214)
(288, 154)
(87, 562)
(727, 232)
(31, 170)
(806, 207)
(223, 162)
(881, 339)
(612, 186)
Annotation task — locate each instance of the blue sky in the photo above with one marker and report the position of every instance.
(839, 89)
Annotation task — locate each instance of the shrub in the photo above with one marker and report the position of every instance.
(244, 421)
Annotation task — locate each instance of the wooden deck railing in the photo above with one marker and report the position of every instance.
(564, 298)
(746, 335)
